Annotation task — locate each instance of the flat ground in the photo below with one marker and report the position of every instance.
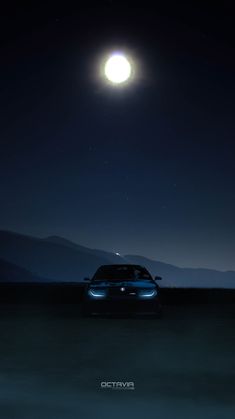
(52, 362)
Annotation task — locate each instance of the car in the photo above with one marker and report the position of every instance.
(124, 289)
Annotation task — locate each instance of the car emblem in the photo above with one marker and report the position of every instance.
(122, 289)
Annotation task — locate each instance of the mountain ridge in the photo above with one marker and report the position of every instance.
(55, 258)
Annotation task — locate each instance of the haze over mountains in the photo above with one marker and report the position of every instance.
(30, 259)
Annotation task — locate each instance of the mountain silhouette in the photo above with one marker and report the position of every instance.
(9, 272)
(174, 276)
(57, 259)
(52, 258)
(112, 257)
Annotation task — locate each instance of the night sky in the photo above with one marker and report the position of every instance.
(145, 169)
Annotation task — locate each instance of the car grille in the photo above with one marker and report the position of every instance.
(122, 292)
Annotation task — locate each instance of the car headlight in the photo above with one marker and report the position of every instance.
(147, 293)
(95, 293)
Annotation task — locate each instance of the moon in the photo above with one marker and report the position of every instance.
(117, 68)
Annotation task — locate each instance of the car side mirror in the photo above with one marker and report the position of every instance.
(86, 279)
(158, 278)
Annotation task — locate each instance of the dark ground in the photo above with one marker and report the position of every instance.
(52, 361)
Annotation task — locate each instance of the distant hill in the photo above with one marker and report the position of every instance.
(9, 272)
(174, 276)
(53, 258)
(57, 259)
(112, 257)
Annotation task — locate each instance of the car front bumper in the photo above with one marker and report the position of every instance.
(117, 305)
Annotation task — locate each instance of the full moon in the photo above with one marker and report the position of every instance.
(117, 69)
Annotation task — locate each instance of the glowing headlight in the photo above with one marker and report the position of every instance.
(96, 293)
(148, 294)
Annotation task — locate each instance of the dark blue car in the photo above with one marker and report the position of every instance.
(123, 289)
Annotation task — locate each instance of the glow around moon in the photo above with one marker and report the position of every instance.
(117, 68)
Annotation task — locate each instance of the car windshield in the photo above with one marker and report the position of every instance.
(121, 272)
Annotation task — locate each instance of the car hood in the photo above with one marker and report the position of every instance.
(138, 283)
